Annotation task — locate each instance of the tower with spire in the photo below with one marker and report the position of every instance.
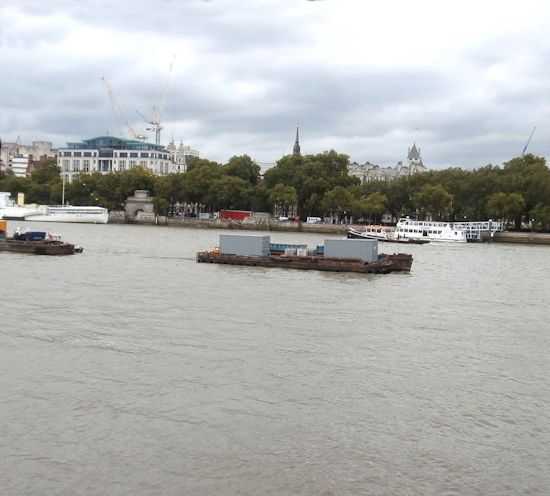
(296, 149)
(414, 160)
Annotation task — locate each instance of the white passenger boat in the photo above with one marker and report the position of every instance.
(70, 213)
(382, 233)
(434, 231)
(9, 210)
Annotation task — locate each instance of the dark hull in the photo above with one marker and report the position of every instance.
(386, 263)
(37, 247)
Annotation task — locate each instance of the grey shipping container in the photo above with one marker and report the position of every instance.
(364, 249)
(251, 246)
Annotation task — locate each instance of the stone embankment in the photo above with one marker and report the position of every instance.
(272, 225)
(522, 237)
(334, 229)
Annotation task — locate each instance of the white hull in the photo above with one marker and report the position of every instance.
(83, 215)
(372, 232)
(433, 231)
(16, 213)
(82, 219)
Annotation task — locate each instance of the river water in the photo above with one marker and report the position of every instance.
(130, 369)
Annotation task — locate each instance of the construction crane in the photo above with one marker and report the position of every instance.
(118, 112)
(528, 141)
(155, 122)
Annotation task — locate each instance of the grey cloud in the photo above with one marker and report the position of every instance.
(372, 113)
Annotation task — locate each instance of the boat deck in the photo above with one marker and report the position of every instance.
(400, 262)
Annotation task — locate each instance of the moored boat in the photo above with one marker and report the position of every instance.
(9, 210)
(33, 242)
(70, 213)
(382, 233)
(410, 229)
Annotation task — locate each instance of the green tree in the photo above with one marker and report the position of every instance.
(47, 173)
(83, 190)
(540, 216)
(243, 167)
(197, 183)
(170, 188)
(505, 206)
(160, 205)
(197, 163)
(372, 206)
(529, 176)
(338, 201)
(230, 192)
(283, 197)
(434, 200)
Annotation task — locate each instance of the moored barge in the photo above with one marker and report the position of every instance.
(34, 242)
(360, 256)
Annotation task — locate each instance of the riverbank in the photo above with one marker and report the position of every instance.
(334, 229)
(522, 237)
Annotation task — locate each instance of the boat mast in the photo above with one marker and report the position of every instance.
(63, 189)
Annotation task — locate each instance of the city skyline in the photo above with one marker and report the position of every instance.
(466, 82)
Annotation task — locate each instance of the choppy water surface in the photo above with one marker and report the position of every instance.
(132, 370)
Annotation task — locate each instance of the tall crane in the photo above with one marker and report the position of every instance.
(119, 113)
(158, 110)
(528, 141)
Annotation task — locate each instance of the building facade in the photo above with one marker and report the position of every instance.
(107, 154)
(372, 172)
(19, 158)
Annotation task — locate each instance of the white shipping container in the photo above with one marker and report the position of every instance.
(364, 249)
(250, 246)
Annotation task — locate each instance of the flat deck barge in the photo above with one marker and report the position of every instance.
(399, 262)
(37, 247)
(33, 242)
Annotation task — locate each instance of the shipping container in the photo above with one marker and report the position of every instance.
(281, 247)
(251, 246)
(364, 249)
(235, 214)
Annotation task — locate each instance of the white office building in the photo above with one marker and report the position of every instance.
(106, 154)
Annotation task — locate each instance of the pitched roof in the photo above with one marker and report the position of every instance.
(413, 153)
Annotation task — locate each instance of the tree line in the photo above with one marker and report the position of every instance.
(318, 185)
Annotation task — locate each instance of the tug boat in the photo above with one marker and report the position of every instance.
(34, 242)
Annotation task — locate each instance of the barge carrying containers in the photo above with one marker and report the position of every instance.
(363, 249)
(249, 246)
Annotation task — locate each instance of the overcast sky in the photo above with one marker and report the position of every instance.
(467, 81)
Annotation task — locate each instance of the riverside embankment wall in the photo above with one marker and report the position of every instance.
(334, 229)
(522, 237)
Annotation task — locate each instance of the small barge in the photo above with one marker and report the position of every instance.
(360, 256)
(33, 242)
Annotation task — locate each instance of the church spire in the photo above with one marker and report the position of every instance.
(296, 149)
